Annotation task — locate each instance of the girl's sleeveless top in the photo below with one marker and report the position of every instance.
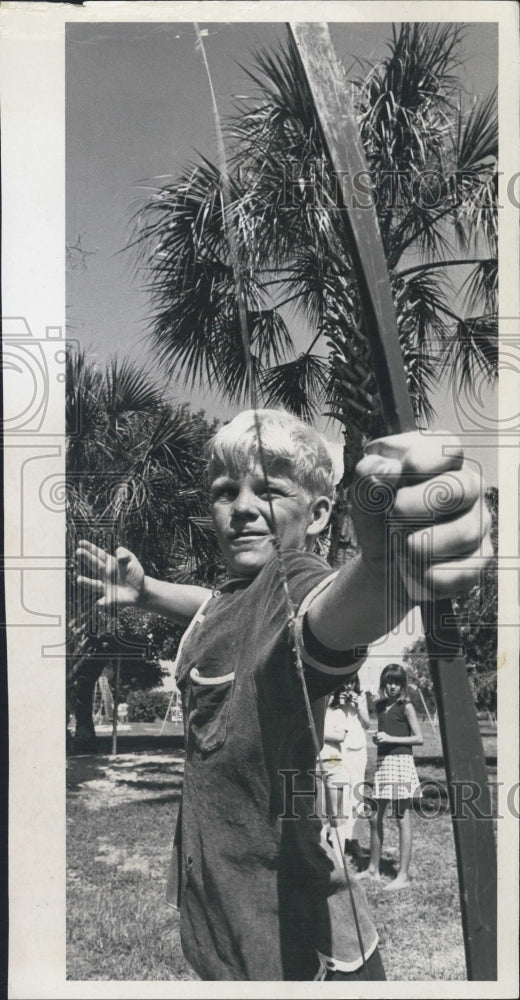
(392, 720)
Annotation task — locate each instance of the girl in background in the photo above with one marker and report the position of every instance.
(334, 781)
(354, 752)
(395, 778)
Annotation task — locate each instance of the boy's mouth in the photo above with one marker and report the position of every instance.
(240, 536)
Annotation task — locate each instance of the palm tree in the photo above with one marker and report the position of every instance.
(433, 165)
(135, 477)
(134, 464)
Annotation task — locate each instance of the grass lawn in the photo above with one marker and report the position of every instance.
(420, 930)
(120, 820)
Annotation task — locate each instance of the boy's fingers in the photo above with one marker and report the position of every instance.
(376, 466)
(123, 555)
(96, 586)
(421, 474)
(442, 496)
(450, 578)
(449, 540)
(95, 550)
(375, 484)
(90, 561)
(420, 453)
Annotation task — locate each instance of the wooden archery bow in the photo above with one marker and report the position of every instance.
(461, 741)
(232, 243)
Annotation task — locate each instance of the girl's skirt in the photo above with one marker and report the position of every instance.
(396, 777)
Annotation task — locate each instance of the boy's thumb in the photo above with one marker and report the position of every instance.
(123, 555)
(380, 466)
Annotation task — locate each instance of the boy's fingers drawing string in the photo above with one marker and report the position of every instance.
(229, 230)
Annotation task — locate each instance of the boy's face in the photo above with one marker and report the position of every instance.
(242, 517)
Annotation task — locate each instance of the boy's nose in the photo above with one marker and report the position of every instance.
(244, 503)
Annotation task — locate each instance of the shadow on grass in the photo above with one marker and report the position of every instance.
(159, 800)
(140, 743)
(107, 781)
(82, 769)
(147, 785)
(387, 868)
(438, 760)
(153, 768)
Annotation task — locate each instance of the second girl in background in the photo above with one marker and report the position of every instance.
(343, 761)
(354, 754)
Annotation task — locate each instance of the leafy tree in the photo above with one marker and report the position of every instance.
(145, 639)
(433, 158)
(147, 706)
(135, 477)
(477, 614)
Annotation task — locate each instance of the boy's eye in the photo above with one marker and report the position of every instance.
(223, 493)
(264, 493)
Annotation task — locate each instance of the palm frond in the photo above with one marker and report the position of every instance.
(298, 385)
(477, 144)
(310, 276)
(84, 418)
(421, 301)
(473, 351)
(234, 378)
(424, 61)
(422, 370)
(404, 99)
(173, 444)
(476, 152)
(128, 388)
(481, 286)
(269, 336)
(280, 78)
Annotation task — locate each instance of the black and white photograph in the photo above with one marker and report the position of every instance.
(261, 468)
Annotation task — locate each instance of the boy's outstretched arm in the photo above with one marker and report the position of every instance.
(120, 581)
(417, 488)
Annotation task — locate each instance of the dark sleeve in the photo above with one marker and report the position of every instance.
(338, 659)
(306, 576)
(325, 668)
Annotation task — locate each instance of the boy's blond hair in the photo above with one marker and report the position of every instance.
(290, 448)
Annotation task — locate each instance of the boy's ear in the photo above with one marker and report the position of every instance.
(320, 511)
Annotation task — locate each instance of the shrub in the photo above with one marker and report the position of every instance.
(147, 706)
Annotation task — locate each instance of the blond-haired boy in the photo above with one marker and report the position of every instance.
(259, 897)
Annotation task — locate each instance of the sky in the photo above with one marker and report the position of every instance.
(138, 108)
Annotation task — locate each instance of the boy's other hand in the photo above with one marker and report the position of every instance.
(118, 580)
(417, 490)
